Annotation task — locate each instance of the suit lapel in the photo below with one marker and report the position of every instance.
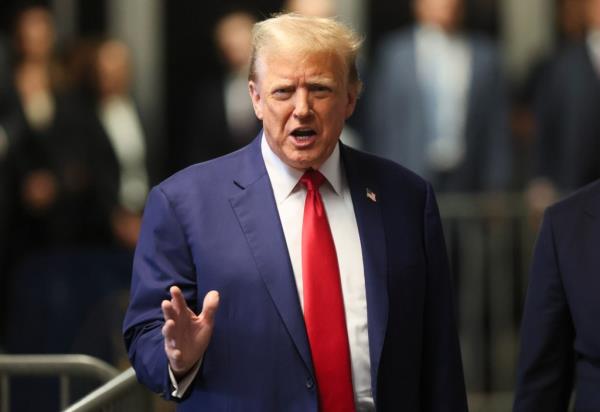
(372, 239)
(257, 213)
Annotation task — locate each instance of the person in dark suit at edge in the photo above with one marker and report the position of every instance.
(296, 274)
(560, 342)
(566, 150)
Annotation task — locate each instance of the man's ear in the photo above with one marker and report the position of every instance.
(351, 103)
(256, 98)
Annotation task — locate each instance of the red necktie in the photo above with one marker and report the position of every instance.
(323, 304)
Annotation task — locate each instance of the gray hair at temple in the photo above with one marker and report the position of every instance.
(310, 35)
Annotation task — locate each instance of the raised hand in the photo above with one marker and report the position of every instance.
(186, 334)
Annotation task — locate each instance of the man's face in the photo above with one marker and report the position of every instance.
(234, 39)
(303, 101)
(445, 14)
(35, 33)
(112, 68)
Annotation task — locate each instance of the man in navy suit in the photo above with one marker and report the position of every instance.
(231, 233)
(560, 337)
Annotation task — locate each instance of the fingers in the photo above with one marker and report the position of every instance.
(177, 299)
(210, 305)
(168, 310)
(173, 353)
(174, 308)
(168, 332)
(186, 335)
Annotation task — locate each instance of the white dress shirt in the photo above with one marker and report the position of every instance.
(290, 196)
(238, 105)
(593, 45)
(124, 130)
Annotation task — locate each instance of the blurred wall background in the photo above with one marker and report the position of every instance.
(173, 47)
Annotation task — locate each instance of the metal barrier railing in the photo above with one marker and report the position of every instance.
(489, 239)
(63, 366)
(107, 394)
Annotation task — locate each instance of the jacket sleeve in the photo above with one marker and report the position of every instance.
(545, 370)
(443, 384)
(162, 259)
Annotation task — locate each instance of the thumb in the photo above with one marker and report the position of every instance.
(210, 305)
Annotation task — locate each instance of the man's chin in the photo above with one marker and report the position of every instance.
(302, 162)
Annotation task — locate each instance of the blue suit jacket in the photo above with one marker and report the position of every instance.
(215, 225)
(560, 333)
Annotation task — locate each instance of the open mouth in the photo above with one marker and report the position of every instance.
(303, 133)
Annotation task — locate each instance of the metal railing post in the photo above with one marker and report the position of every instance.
(64, 391)
(5, 393)
(61, 366)
(105, 394)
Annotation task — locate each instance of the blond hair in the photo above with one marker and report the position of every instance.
(307, 34)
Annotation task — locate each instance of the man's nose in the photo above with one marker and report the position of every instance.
(302, 105)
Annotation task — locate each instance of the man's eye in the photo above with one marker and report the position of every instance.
(320, 89)
(283, 92)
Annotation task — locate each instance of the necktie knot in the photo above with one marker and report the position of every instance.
(312, 179)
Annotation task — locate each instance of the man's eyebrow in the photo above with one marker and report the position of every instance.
(321, 80)
(283, 84)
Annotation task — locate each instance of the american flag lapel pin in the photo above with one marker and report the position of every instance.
(371, 195)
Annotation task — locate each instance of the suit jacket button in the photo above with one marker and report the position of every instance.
(310, 383)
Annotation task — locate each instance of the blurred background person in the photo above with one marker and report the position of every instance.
(436, 101)
(570, 22)
(50, 193)
(98, 163)
(4, 77)
(4, 194)
(123, 154)
(47, 185)
(37, 75)
(221, 119)
(316, 8)
(567, 143)
(30, 122)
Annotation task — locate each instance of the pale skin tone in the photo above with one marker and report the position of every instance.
(445, 14)
(186, 334)
(303, 101)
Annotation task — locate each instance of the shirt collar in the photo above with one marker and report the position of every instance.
(432, 34)
(285, 178)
